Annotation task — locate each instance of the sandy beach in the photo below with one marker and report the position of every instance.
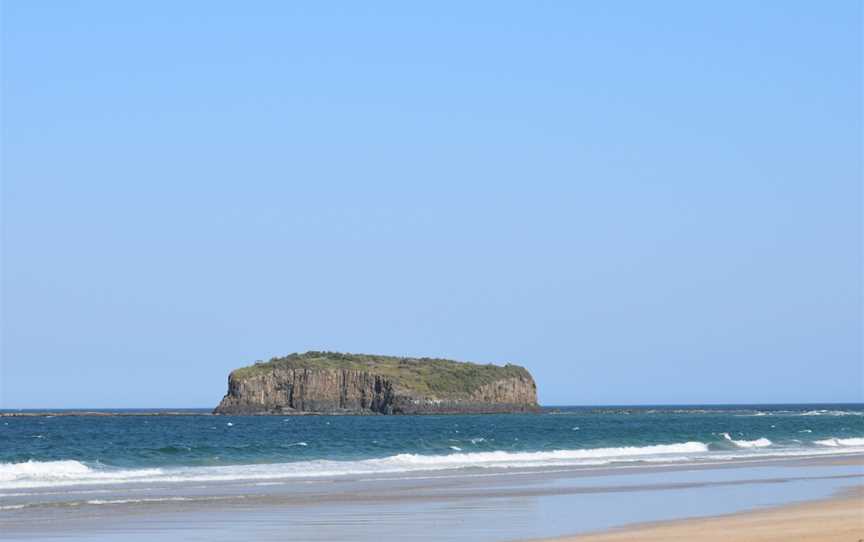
(831, 520)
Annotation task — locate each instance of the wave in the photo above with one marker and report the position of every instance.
(758, 443)
(825, 412)
(41, 474)
(819, 412)
(840, 442)
(34, 474)
(10, 471)
(58, 472)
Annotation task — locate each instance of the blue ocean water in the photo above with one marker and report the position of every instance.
(44, 451)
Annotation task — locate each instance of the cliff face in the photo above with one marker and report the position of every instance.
(324, 382)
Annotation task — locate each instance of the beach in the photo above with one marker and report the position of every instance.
(835, 519)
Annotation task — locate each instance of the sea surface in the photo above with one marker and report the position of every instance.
(55, 451)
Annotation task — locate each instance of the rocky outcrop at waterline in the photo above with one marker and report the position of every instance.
(335, 383)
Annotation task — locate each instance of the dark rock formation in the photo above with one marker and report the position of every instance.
(333, 383)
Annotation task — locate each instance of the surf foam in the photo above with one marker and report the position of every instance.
(47, 473)
(825, 412)
(758, 443)
(840, 442)
(34, 474)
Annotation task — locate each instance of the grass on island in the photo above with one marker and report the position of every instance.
(424, 375)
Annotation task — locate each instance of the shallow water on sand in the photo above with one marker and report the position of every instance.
(497, 506)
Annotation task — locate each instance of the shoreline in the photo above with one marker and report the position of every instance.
(531, 505)
(838, 517)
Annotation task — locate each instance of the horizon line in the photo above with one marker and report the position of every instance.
(585, 405)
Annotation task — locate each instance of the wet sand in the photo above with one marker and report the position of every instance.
(833, 520)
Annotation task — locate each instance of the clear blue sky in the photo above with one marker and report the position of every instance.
(642, 202)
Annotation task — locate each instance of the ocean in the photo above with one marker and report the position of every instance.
(55, 451)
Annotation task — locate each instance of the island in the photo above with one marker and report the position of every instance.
(336, 383)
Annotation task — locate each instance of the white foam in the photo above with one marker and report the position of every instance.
(840, 442)
(35, 474)
(825, 412)
(12, 471)
(758, 443)
(48, 473)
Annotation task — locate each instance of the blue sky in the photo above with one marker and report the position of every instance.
(641, 202)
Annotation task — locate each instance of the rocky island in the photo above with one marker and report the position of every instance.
(336, 383)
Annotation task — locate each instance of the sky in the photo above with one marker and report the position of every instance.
(641, 202)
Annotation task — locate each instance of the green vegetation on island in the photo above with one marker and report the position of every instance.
(427, 376)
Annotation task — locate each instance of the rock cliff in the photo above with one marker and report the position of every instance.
(333, 383)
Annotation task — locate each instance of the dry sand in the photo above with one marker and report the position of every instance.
(836, 520)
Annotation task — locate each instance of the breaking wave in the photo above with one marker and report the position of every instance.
(758, 443)
(825, 412)
(59, 473)
(41, 474)
(840, 442)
